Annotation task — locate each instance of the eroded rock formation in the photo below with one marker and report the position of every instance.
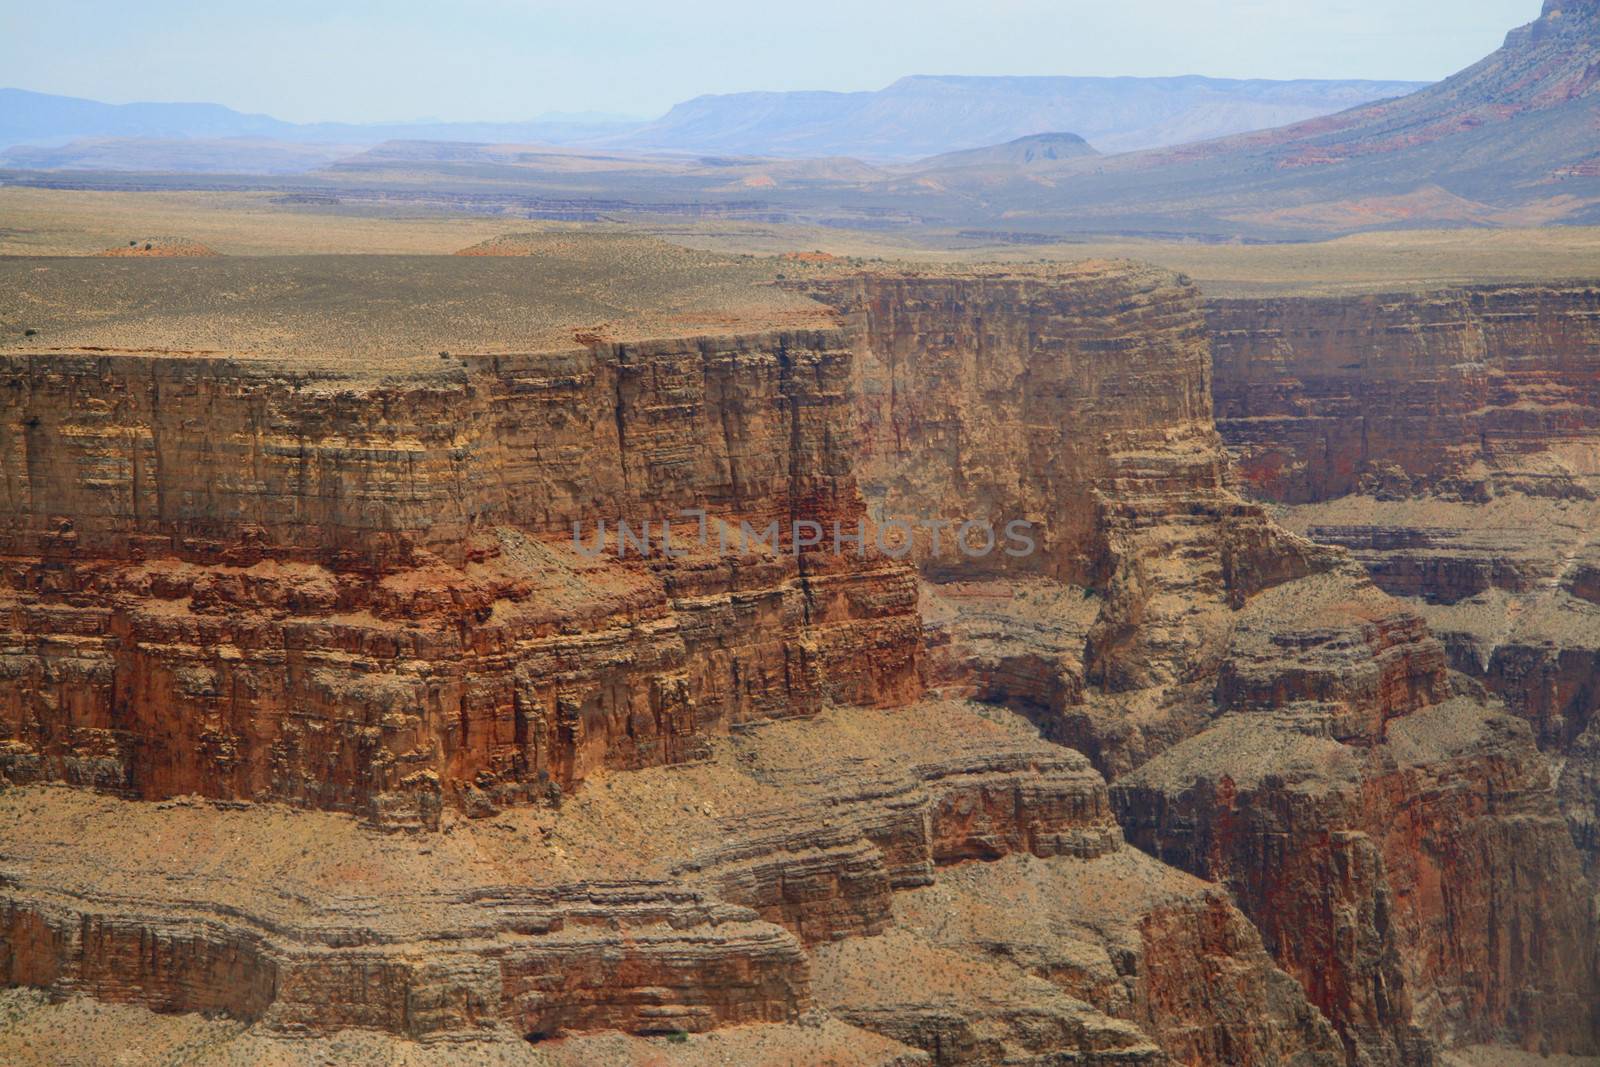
(1460, 391)
(1079, 404)
(239, 582)
(1451, 440)
(661, 901)
(676, 792)
(1165, 611)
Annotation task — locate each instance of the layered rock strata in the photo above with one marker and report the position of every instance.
(1462, 391)
(1501, 583)
(39, 1032)
(263, 584)
(677, 900)
(246, 582)
(1079, 404)
(1122, 958)
(1436, 891)
(1451, 441)
(1163, 610)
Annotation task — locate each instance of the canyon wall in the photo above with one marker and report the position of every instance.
(1455, 390)
(1079, 404)
(1451, 441)
(245, 582)
(1168, 623)
(254, 583)
(963, 384)
(748, 888)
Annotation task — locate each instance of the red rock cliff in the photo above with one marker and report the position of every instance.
(1451, 440)
(1463, 427)
(1457, 389)
(243, 582)
(1162, 610)
(1080, 404)
(250, 583)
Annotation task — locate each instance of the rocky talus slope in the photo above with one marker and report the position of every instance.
(378, 756)
(766, 884)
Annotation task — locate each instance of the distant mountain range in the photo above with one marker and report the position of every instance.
(43, 119)
(925, 116)
(180, 155)
(1513, 140)
(913, 118)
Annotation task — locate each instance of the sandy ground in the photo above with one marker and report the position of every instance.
(391, 313)
(1495, 1056)
(34, 1032)
(79, 222)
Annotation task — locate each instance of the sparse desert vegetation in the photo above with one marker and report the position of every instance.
(51, 222)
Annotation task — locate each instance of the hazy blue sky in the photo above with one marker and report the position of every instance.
(513, 59)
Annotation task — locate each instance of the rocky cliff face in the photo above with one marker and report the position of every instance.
(1078, 404)
(1451, 440)
(257, 584)
(241, 583)
(1165, 617)
(964, 383)
(1465, 391)
(1419, 921)
(748, 888)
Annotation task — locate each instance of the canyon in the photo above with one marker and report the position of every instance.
(1451, 441)
(321, 714)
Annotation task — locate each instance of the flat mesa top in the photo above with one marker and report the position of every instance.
(374, 316)
(387, 314)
